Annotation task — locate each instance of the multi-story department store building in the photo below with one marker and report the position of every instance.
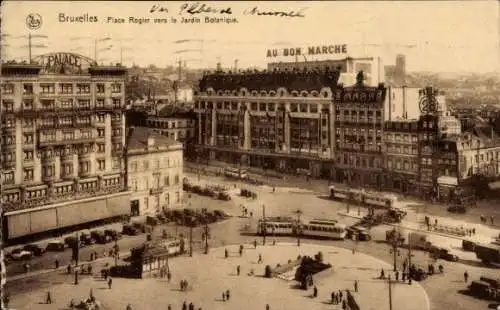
(63, 137)
(293, 121)
(307, 122)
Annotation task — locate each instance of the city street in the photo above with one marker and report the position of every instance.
(441, 289)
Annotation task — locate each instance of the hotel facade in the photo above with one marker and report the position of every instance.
(63, 137)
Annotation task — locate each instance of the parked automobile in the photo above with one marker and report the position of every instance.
(223, 196)
(457, 209)
(161, 218)
(441, 253)
(364, 236)
(71, 241)
(20, 254)
(221, 214)
(113, 234)
(143, 228)
(56, 246)
(130, 230)
(100, 237)
(150, 220)
(468, 245)
(35, 249)
(86, 239)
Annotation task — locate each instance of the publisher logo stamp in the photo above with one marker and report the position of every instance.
(33, 21)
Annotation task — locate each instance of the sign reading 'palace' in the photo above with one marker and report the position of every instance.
(65, 63)
(311, 50)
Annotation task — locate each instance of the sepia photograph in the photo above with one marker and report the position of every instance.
(250, 155)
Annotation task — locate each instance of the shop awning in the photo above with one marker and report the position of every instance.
(447, 180)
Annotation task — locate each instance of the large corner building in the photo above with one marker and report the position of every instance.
(63, 137)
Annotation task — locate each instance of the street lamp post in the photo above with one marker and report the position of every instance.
(298, 230)
(191, 224)
(264, 230)
(394, 240)
(206, 232)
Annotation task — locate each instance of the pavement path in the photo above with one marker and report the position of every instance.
(210, 275)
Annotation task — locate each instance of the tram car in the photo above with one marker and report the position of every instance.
(278, 226)
(323, 228)
(362, 197)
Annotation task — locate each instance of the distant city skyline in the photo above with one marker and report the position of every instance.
(441, 36)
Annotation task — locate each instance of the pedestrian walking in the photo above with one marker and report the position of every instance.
(315, 292)
(110, 282)
(69, 269)
(382, 274)
(223, 296)
(226, 253)
(76, 277)
(49, 298)
(191, 306)
(238, 270)
(474, 231)
(268, 307)
(228, 295)
(260, 259)
(241, 250)
(57, 264)
(397, 275)
(169, 276)
(255, 244)
(169, 307)
(404, 265)
(340, 295)
(344, 305)
(129, 307)
(466, 276)
(356, 286)
(333, 297)
(91, 256)
(184, 306)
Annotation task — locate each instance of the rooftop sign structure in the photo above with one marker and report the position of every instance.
(64, 63)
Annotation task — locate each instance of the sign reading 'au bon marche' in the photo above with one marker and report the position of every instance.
(65, 63)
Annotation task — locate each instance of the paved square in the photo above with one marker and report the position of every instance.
(210, 275)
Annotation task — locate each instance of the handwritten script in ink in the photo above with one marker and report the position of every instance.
(259, 12)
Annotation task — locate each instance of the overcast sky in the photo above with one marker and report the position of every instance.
(447, 36)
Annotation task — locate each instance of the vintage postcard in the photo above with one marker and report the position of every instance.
(253, 155)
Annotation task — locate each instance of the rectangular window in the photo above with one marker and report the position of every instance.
(28, 138)
(8, 177)
(101, 164)
(100, 132)
(28, 174)
(7, 89)
(47, 88)
(65, 88)
(101, 148)
(99, 103)
(84, 166)
(8, 105)
(84, 104)
(28, 155)
(100, 88)
(116, 163)
(117, 102)
(83, 88)
(67, 170)
(116, 88)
